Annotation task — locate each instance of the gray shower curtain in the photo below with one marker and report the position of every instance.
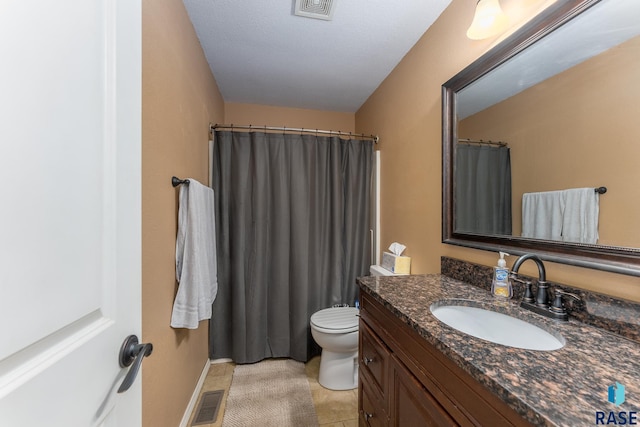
(292, 221)
(483, 189)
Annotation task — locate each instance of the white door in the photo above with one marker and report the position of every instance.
(70, 141)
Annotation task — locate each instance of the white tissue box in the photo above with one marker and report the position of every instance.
(396, 264)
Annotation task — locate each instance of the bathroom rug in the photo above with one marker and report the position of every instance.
(270, 393)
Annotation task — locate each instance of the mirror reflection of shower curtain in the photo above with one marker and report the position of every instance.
(292, 221)
(483, 189)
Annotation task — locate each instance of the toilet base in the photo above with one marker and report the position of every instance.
(338, 371)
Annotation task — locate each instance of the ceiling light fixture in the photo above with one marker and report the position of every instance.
(488, 21)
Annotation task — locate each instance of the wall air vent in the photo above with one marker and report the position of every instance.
(318, 9)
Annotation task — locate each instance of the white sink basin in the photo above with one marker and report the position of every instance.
(496, 327)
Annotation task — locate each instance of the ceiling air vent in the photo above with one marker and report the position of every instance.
(318, 9)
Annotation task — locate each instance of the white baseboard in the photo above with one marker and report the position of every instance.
(194, 397)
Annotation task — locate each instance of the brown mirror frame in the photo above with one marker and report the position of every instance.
(608, 258)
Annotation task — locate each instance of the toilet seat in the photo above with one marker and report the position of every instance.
(336, 320)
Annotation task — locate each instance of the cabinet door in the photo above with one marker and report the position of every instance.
(373, 357)
(411, 403)
(373, 373)
(371, 411)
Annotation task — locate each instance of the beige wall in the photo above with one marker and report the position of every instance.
(263, 115)
(179, 99)
(405, 111)
(563, 136)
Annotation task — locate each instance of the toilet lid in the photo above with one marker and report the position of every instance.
(336, 318)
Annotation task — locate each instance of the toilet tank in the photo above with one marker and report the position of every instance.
(377, 270)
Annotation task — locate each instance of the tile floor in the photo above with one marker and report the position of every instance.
(334, 408)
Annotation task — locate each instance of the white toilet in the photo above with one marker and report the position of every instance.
(336, 331)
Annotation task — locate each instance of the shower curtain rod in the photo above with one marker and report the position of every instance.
(480, 141)
(374, 138)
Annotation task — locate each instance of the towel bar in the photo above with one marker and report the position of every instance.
(601, 190)
(177, 181)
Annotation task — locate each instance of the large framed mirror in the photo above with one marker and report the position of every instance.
(548, 113)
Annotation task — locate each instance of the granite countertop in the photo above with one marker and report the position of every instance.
(562, 387)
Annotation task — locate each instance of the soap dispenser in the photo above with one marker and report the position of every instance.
(501, 286)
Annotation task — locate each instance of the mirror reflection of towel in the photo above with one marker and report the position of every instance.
(565, 215)
(580, 219)
(542, 215)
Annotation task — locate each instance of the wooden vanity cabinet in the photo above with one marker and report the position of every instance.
(405, 381)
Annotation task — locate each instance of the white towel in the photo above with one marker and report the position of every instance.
(196, 266)
(580, 219)
(542, 215)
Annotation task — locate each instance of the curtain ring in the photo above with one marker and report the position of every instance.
(250, 128)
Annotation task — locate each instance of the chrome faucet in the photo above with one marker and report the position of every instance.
(541, 303)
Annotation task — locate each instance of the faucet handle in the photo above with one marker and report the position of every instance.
(569, 294)
(528, 294)
(516, 278)
(558, 305)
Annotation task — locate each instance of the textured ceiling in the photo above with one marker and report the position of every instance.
(261, 53)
